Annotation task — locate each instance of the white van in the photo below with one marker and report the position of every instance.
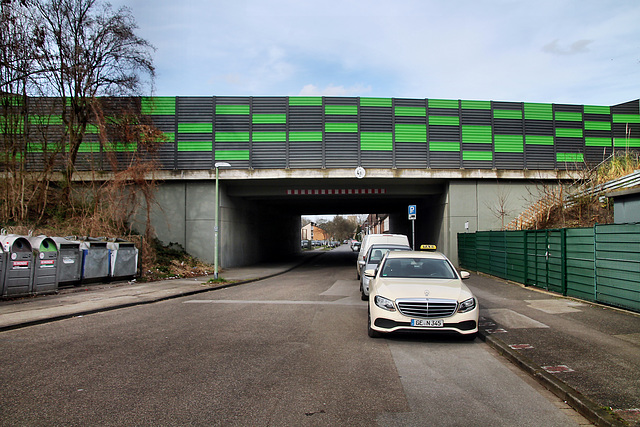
(370, 239)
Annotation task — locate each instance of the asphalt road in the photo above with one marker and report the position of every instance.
(290, 350)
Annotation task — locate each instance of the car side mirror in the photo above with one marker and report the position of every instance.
(370, 273)
(464, 275)
(362, 263)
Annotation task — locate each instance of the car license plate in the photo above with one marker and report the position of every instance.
(438, 323)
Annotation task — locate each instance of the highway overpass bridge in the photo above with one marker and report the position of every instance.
(459, 161)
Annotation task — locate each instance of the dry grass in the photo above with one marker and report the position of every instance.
(590, 207)
(619, 165)
(173, 262)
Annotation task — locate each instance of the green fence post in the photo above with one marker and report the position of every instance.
(535, 257)
(534, 264)
(526, 258)
(547, 252)
(504, 254)
(563, 260)
(595, 262)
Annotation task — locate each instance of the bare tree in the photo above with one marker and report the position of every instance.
(339, 227)
(500, 207)
(59, 62)
(16, 67)
(84, 49)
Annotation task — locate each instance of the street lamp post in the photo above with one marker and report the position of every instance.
(218, 165)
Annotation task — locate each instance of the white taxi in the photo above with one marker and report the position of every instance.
(420, 292)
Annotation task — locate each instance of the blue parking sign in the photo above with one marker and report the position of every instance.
(412, 211)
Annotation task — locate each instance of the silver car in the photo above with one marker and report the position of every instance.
(371, 261)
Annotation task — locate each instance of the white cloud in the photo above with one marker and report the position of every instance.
(580, 46)
(577, 51)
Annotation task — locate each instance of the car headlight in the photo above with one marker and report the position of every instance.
(384, 303)
(467, 305)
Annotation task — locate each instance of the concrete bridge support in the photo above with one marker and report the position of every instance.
(250, 232)
(484, 205)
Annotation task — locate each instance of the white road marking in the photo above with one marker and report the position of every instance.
(555, 306)
(342, 288)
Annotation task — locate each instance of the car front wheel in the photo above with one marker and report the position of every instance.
(470, 337)
(372, 332)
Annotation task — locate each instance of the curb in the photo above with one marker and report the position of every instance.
(579, 402)
(150, 300)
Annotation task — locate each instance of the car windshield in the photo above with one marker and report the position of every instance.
(376, 253)
(428, 268)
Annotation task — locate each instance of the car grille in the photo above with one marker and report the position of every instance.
(427, 308)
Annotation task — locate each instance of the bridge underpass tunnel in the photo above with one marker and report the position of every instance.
(260, 219)
(287, 201)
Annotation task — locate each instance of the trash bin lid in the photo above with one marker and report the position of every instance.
(43, 244)
(15, 243)
(64, 243)
(89, 244)
(120, 245)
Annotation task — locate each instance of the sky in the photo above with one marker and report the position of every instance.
(553, 51)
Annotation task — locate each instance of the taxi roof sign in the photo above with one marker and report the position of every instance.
(427, 247)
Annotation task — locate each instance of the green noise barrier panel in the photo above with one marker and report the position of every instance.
(161, 106)
(475, 105)
(376, 141)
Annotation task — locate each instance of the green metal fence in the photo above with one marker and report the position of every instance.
(600, 264)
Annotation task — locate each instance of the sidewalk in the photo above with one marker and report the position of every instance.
(92, 298)
(587, 354)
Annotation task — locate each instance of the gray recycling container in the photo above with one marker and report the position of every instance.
(124, 259)
(95, 260)
(17, 275)
(45, 264)
(69, 261)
